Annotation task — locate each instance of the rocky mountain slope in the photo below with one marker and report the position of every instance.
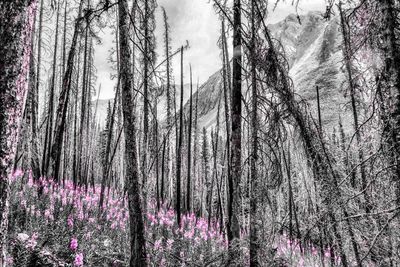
(313, 50)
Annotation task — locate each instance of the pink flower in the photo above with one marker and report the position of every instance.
(74, 244)
(70, 221)
(78, 259)
(169, 243)
(189, 234)
(157, 245)
(32, 242)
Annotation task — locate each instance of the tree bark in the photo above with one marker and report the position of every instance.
(254, 245)
(50, 110)
(138, 247)
(179, 150)
(236, 130)
(189, 172)
(17, 19)
(61, 112)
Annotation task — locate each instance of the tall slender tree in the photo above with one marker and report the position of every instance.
(136, 224)
(50, 109)
(179, 150)
(189, 155)
(236, 130)
(61, 112)
(254, 198)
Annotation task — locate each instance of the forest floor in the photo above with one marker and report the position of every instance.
(65, 221)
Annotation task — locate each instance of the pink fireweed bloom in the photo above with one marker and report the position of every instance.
(70, 222)
(10, 260)
(48, 214)
(73, 245)
(157, 244)
(169, 244)
(189, 234)
(327, 253)
(78, 259)
(18, 173)
(314, 251)
(32, 242)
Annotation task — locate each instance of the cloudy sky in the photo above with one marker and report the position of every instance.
(197, 22)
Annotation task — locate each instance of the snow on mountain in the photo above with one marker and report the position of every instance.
(313, 50)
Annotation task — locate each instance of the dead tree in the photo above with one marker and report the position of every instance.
(189, 173)
(179, 150)
(236, 131)
(137, 241)
(50, 108)
(389, 85)
(170, 120)
(320, 158)
(254, 246)
(63, 101)
(15, 49)
(347, 53)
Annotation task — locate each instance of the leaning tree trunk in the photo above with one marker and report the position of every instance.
(17, 19)
(61, 112)
(138, 248)
(316, 151)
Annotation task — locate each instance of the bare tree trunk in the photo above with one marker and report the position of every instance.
(352, 86)
(196, 137)
(227, 90)
(81, 154)
(32, 118)
(63, 102)
(17, 19)
(146, 99)
(138, 247)
(206, 179)
(167, 51)
(189, 173)
(108, 164)
(390, 86)
(236, 130)
(315, 148)
(50, 110)
(215, 143)
(254, 243)
(75, 134)
(179, 150)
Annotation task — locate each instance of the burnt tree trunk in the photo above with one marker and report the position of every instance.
(254, 246)
(137, 242)
(61, 112)
(17, 19)
(50, 108)
(188, 188)
(179, 150)
(236, 130)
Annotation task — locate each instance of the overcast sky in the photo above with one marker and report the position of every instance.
(195, 21)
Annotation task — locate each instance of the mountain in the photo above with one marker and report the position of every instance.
(314, 53)
(161, 106)
(313, 50)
